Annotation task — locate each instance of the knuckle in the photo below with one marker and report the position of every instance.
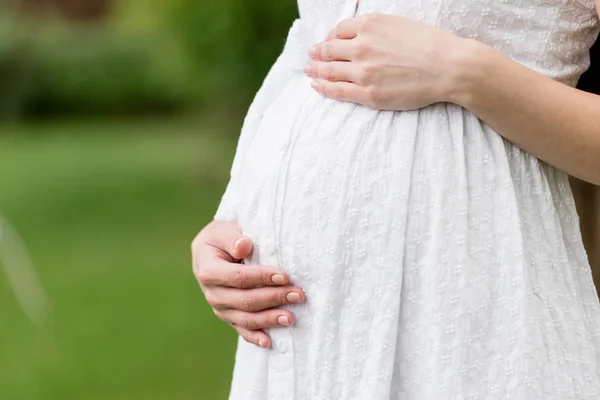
(238, 279)
(362, 76)
(323, 88)
(315, 70)
(317, 52)
(373, 95)
(211, 300)
(202, 275)
(362, 50)
(328, 72)
(265, 277)
(195, 242)
(365, 73)
(246, 322)
(320, 50)
(338, 92)
(278, 298)
(365, 22)
(368, 69)
(370, 20)
(247, 303)
(218, 314)
(328, 51)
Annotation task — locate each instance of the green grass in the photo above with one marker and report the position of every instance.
(107, 210)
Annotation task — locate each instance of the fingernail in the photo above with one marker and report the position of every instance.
(237, 243)
(312, 52)
(293, 297)
(283, 320)
(278, 279)
(307, 69)
(261, 343)
(314, 85)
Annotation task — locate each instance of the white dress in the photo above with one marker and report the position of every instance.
(439, 260)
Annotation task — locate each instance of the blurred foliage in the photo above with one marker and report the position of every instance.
(233, 41)
(108, 206)
(108, 209)
(159, 56)
(13, 74)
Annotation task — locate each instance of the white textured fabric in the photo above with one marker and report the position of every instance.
(439, 260)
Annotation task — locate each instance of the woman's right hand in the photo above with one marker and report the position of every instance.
(244, 296)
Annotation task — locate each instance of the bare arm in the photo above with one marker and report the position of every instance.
(554, 122)
(388, 62)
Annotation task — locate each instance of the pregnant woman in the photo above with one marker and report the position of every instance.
(399, 202)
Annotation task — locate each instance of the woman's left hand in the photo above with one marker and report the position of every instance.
(385, 62)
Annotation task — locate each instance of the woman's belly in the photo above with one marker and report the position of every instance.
(323, 177)
(416, 236)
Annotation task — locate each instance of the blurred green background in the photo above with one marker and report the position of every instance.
(118, 122)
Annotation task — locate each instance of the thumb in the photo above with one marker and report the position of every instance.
(227, 237)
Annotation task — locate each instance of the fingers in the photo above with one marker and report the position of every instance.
(221, 273)
(253, 300)
(347, 29)
(336, 71)
(257, 337)
(260, 320)
(352, 27)
(334, 50)
(342, 42)
(214, 265)
(343, 91)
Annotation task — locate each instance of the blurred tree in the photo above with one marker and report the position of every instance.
(155, 56)
(232, 42)
(52, 67)
(14, 62)
(72, 9)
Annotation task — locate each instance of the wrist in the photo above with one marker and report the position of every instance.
(466, 69)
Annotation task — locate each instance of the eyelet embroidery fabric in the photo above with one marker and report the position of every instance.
(439, 260)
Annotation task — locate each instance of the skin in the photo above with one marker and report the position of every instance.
(369, 60)
(231, 288)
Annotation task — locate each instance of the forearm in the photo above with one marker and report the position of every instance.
(556, 123)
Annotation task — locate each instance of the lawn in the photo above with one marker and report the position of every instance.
(107, 211)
